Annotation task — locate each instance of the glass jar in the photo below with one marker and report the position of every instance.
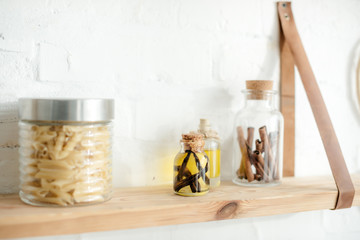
(65, 151)
(191, 167)
(258, 138)
(212, 150)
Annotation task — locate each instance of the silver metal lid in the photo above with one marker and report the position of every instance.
(87, 110)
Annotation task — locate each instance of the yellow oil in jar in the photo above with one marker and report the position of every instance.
(191, 174)
(214, 160)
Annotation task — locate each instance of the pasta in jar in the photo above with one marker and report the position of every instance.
(65, 163)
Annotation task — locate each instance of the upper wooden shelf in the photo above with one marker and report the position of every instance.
(154, 206)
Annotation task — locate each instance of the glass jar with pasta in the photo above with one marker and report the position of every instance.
(65, 151)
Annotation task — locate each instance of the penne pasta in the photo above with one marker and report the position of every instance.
(66, 165)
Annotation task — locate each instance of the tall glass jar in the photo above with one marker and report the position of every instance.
(258, 137)
(212, 150)
(65, 151)
(191, 167)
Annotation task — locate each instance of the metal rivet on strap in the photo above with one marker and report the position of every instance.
(284, 5)
(287, 17)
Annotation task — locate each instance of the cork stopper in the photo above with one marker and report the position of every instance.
(204, 125)
(258, 87)
(205, 129)
(193, 142)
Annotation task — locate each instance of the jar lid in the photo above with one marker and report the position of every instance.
(193, 141)
(87, 110)
(205, 129)
(204, 125)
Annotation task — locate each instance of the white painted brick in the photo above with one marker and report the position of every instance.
(245, 58)
(15, 68)
(124, 114)
(165, 126)
(13, 46)
(221, 16)
(54, 63)
(173, 57)
(164, 13)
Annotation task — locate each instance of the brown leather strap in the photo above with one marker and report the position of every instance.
(287, 105)
(322, 118)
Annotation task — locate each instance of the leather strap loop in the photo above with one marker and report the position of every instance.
(337, 163)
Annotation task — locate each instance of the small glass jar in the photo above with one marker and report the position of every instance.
(258, 138)
(65, 151)
(212, 150)
(191, 167)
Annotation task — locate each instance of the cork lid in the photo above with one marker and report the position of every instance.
(260, 85)
(205, 129)
(204, 124)
(193, 141)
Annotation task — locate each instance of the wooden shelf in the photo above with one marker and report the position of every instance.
(155, 206)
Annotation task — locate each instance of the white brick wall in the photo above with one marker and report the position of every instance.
(168, 63)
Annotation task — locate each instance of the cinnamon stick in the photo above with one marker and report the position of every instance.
(241, 175)
(250, 136)
(259, 146)
(258, 170)
(258, 156)
(249, 143)
(250, 154)
(261, 171)
(269, 159)
(245, 156)
(259, 164)
(258, 177)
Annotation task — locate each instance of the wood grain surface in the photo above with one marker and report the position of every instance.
(140, 207)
